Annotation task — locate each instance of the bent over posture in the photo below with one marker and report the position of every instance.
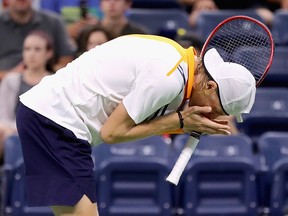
(131, 87)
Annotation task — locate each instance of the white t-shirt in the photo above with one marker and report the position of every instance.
(133, 69)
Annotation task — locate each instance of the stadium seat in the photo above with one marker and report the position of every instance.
(160, 21)
(12, 157)
(13, 189)
(277, 75)
(273, 147)
(279, 32)
(18, 197)
(208, 20)
(269, 112)
(220, 178)
(131, 178)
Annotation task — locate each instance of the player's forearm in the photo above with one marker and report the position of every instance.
(120, 127)
(156, 126)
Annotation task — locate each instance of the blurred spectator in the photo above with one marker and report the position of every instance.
(37, 56)
(111, 15)
(91, 37)
(197, 6)
(16, 22)
(115, 20)
(3, 4)
(77, 14)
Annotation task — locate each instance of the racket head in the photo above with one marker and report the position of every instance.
(245, 41)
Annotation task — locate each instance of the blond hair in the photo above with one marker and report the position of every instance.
(203, 77)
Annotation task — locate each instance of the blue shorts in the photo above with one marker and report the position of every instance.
(58, 165)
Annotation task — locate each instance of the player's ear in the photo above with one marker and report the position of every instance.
(211, 86)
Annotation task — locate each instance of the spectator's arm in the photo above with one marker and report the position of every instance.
(75, 28)
(9, 88)
(200, 6)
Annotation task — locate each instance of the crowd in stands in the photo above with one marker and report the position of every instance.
(76, 26)
(195, 7)
(36, 56)
(37, 39)
(71, 35)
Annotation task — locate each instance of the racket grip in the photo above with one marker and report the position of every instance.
(183, 159)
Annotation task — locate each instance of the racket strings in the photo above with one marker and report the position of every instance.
(244, 42)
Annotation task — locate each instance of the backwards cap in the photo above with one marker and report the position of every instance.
(236, 85)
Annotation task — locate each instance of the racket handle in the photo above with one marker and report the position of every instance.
(183, 159)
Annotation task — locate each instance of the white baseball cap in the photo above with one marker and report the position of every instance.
(236, 85)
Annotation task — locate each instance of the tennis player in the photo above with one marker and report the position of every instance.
(128, 88)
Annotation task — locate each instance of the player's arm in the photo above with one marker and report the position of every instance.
(120, 127)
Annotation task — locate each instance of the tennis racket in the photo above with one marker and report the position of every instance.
(238, 39)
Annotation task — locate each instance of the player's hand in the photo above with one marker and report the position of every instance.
(195, 120)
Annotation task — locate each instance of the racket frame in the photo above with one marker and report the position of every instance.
(250, 19)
